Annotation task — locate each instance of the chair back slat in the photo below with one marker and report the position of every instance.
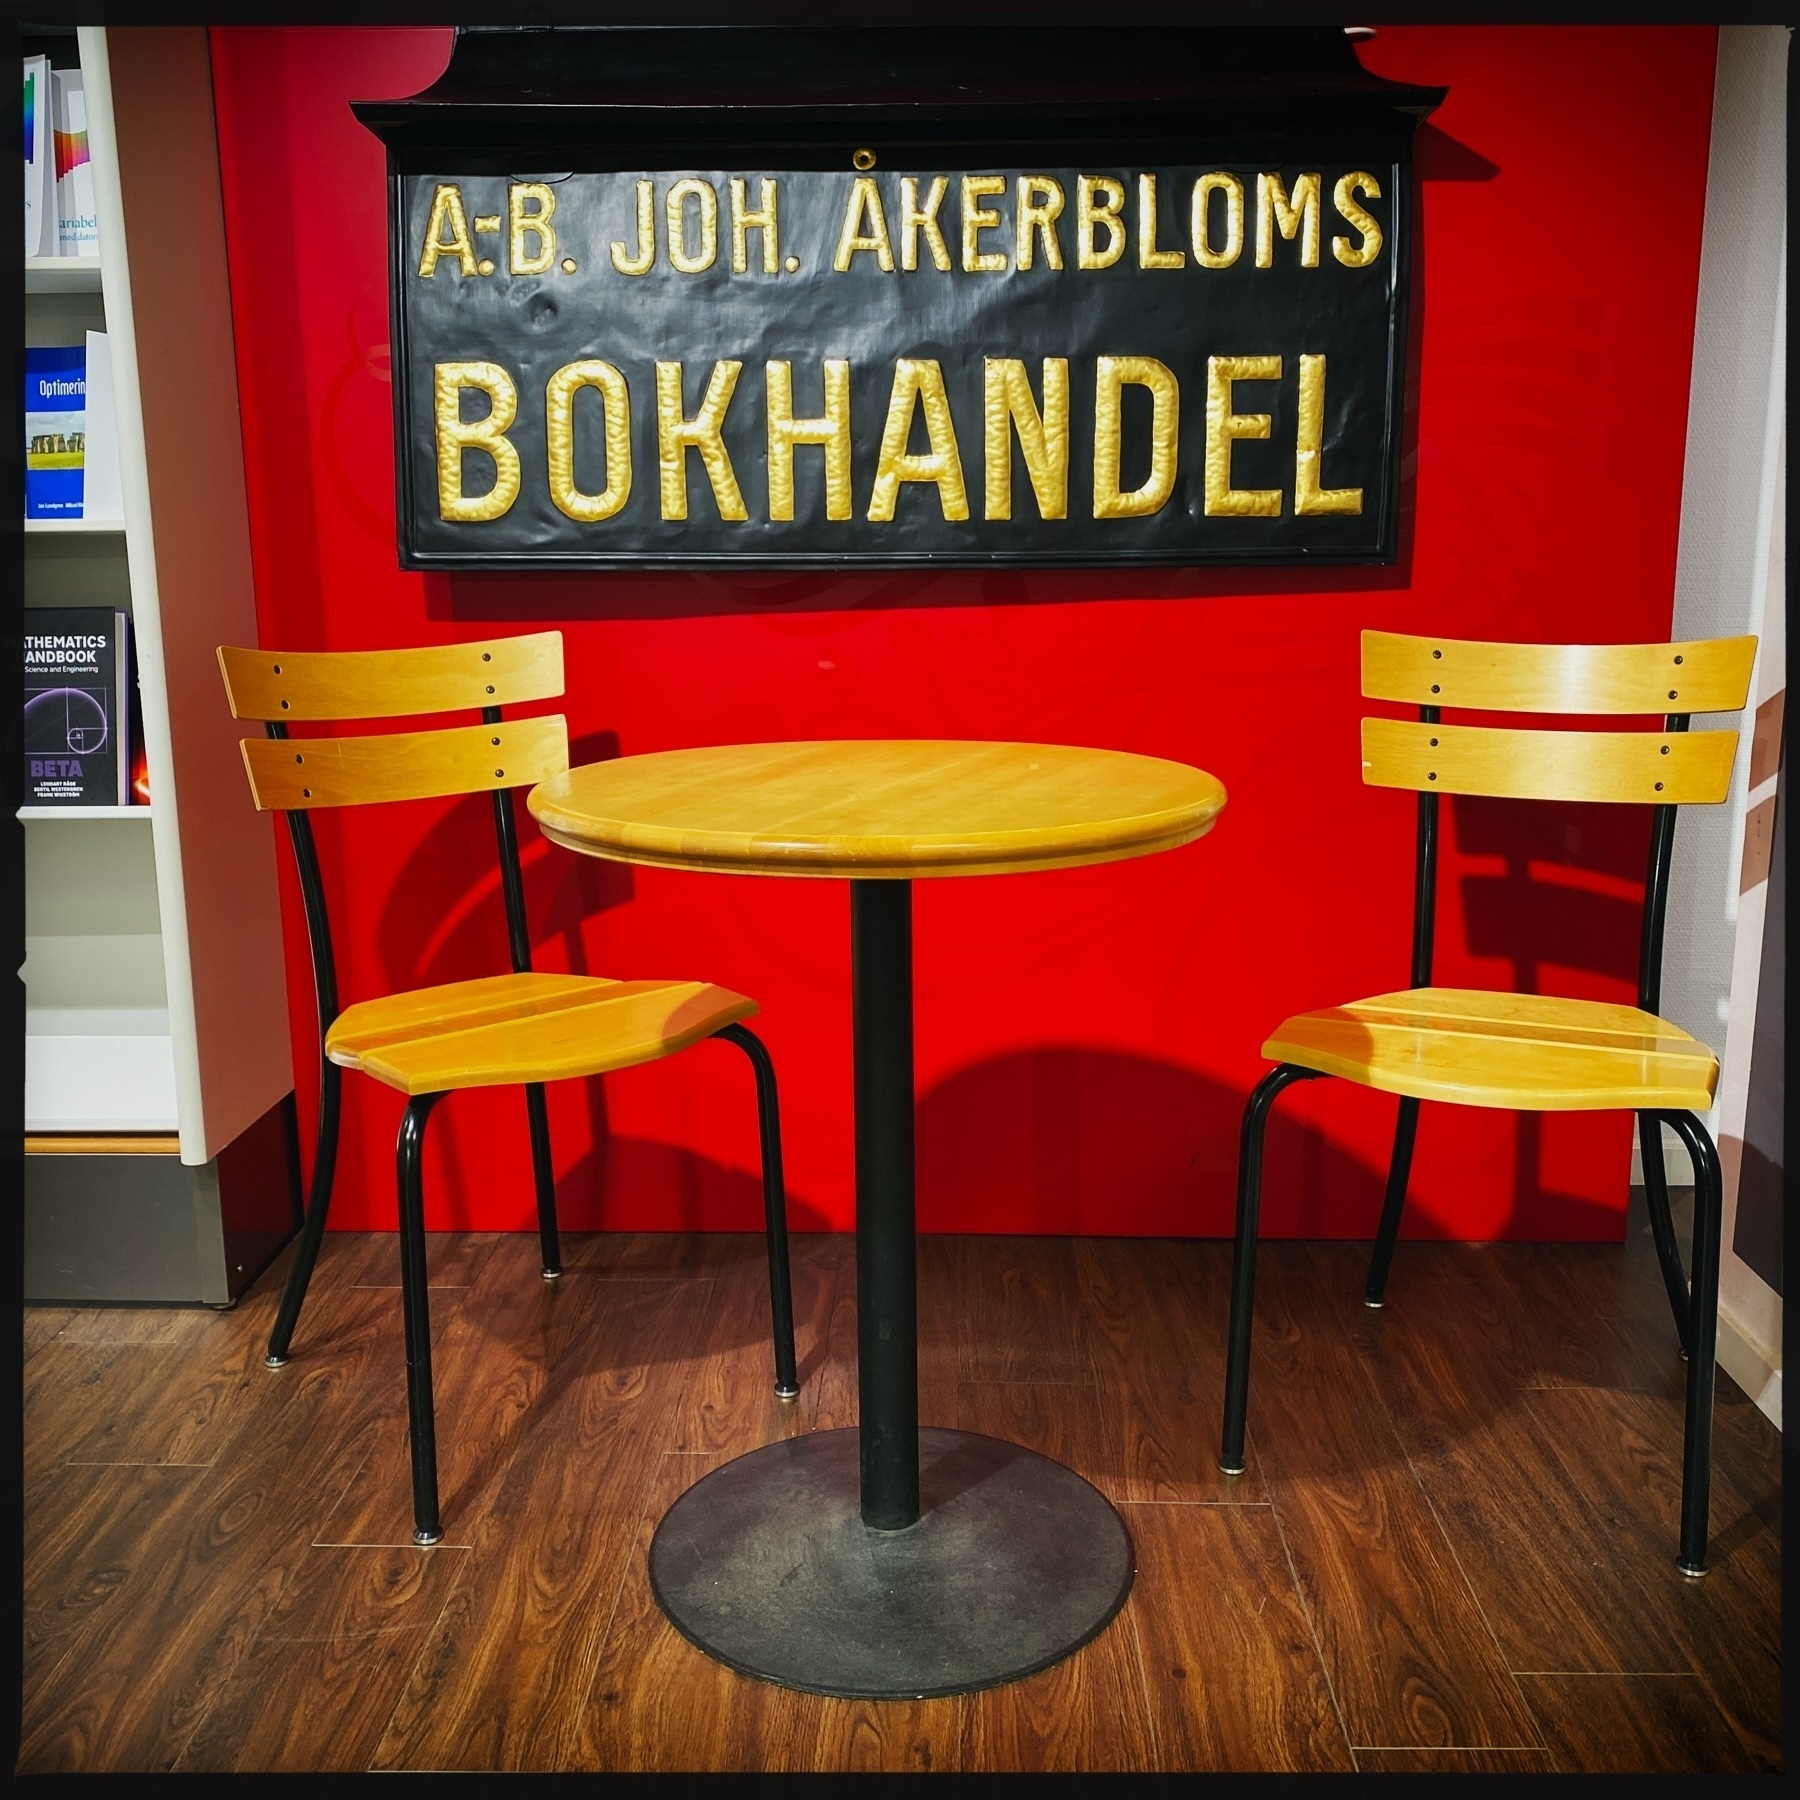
(1707, 675)
(1659, 768)
(297, 774)
(390, 684)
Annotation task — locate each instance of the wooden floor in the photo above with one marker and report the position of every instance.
(1453, 1550)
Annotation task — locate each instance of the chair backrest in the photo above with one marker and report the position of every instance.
(1663, 768)
(297, 775)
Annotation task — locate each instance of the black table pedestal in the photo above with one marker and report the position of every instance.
(1015, 1562)
(889, 1562)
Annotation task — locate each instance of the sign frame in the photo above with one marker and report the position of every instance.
(520, 102)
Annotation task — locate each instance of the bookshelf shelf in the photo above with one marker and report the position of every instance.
(62, 275)
(37, 814)
(74, 527)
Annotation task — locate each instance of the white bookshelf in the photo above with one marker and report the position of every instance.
(37, 815)
(155, 994)
(62, 275)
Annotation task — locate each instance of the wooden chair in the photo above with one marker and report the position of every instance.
(520, 1029)
(1529, 1052)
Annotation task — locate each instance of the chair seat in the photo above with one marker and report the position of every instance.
(507, 1029)
(1526, 1051)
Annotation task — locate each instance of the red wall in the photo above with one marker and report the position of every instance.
(1085, 1038)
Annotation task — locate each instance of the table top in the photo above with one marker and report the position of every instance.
(877, 808)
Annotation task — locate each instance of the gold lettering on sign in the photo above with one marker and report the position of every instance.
(638, 261)
(1277, 210)
(455, 435)
(1090, 190)
(743, 222)
(1224, 427)
(676, 435)
(915, 218)
(1112, 375)
(692, 262)
(559, 431)
(1038, 216)
(1149, 257)
(918, 382)
(531, 224)
(977, 219)
(865, 201)
(1309, 497)
(832, 431)
(1227, 253)
(447, 210)
(1343, 197)
(1043, 437)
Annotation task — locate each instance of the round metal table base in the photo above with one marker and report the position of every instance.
(1015, 1562)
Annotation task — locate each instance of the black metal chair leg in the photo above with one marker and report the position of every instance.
(1703, 1326)
(544, 1171)
(781, 1294)
(421, 1416)
(1662, 1225)
(1406, 1131)
(1243, 1271)
(312, 1229)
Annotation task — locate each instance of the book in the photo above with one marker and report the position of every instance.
(40, 180)
(76, 232)
(55, 431)
(77, 719)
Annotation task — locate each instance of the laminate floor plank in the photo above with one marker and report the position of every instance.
(942, 1308)
(1021, 1317)
(45, 1324)
(527, 1617)
(668, 1255)
(452, 1258)
(829, 1390)
(1235, 1682)
(729, 1402)
(1454, 1762)
(1157, 1334)
(654, 1702)
(868, 1737)
(337, 1648)
(147, 1673)
(1634, 1724)
(1056, 1419)
(142, 1324)
(1410, 1659)
(1087, 1713)
(89, 1531)
(138, 1403)
(494, 1348)
(1623, 1450)
(1557, 1587)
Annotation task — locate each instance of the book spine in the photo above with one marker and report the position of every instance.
(122, 699)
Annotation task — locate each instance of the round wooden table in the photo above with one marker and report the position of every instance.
(815, 1562)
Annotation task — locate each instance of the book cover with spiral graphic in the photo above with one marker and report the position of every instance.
(77, 731)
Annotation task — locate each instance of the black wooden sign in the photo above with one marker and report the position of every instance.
(1174, 336)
